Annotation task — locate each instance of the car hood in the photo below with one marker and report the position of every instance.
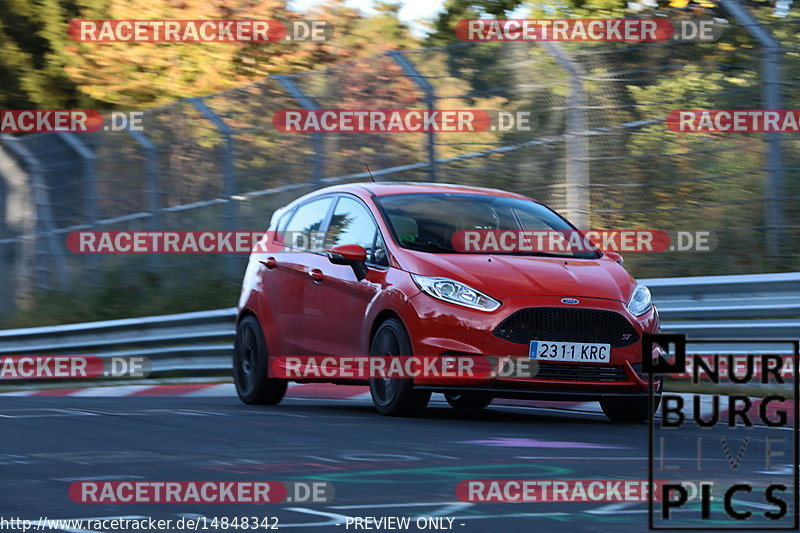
(503, 276)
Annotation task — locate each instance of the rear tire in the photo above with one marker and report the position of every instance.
(393, 396)
(635, 409)
(468, 400)
(251, 366)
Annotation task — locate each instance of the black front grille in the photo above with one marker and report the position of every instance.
(580, 372)
(567, 325)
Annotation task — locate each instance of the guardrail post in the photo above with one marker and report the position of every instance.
(44, 212)
(153, 188)
(578, 192)
(228, 172)
(771, 53)
(317, 144)
(430, 101)
(6, 259)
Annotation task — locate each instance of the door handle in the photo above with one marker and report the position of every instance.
(316, 275)
(269, 262)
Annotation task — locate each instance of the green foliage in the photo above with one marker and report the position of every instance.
(121, 291)
(40, 67)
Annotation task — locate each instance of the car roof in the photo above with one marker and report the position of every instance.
(387, 188)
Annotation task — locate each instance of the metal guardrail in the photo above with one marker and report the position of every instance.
(190, 342)
(707, 307)
(748, 296)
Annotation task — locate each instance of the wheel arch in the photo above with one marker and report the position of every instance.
(382, 317)
(245, 313)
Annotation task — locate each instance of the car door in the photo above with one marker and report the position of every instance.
(336, 304)
(287, 269)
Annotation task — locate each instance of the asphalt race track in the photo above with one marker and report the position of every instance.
(379, 466)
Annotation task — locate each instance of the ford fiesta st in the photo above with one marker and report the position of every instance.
(386, 277)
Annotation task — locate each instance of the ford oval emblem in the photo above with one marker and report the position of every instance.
(570, 301)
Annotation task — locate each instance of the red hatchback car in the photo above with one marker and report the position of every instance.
(382, 277)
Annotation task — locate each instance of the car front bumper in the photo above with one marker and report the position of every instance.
(441, 329)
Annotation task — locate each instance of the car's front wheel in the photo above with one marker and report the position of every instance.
(394, 396)
(468, 400)
(634, 409)
(251, 366)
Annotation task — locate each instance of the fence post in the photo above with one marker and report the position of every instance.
(576, 168)
(88, 181)
(87, 174)
(317, 144)
(430, 101)
(7, 300)
(153, 188)
(44, 212)
(771, 53)
(17, 276)
(228, 173)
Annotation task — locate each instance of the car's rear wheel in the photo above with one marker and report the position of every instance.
(251, 366)
(634, 409)
(394, 396)
(468, 400)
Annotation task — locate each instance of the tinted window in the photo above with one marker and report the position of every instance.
(303, 228)
(281, 224)
(428, 222)
(352, 224)
(379, 253)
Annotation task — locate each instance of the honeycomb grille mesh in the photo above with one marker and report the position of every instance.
(581, 372)
(567, 325)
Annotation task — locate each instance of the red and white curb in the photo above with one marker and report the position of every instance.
(358, 393)
(296, 390)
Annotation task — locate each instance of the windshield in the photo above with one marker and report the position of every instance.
(434, 222)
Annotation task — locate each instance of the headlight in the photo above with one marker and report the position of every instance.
(455, 293)
(641, 301)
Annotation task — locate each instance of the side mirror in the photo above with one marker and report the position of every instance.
(614, 256)
(350, 254)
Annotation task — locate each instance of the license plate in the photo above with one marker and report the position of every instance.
(578, 352)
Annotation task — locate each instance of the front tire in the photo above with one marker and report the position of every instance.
(394, 396)
(468, 400)
(635, 409)
(251, 366)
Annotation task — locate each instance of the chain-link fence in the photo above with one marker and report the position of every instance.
(599, 151)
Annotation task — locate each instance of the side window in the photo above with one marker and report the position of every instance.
(281, 223)
(303, 229)
(379, 251)
(352, 224)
